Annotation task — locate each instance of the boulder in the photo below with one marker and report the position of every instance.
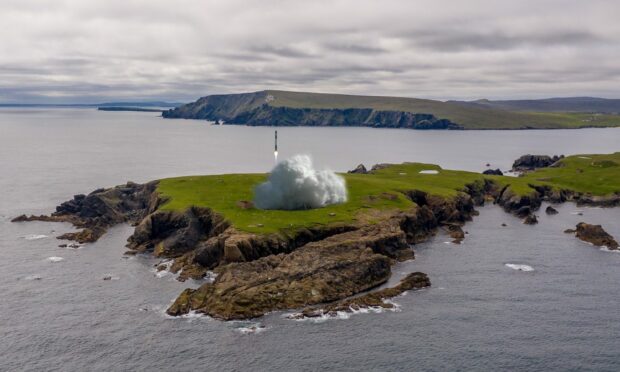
(596, 235)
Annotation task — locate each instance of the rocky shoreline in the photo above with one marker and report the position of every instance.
(318, 269)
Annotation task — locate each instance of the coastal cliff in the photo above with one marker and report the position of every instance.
(284, 108)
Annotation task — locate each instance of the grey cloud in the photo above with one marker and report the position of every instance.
(80, 51)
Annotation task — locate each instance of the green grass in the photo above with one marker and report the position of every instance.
(370, 194)
(467, 116)
(594, 174)
(367, 192)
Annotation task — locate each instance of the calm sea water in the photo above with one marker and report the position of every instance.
(479, 313)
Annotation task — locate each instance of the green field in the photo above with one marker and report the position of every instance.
(467, 116)
(370, 194)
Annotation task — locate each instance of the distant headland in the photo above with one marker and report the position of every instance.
(285, 108)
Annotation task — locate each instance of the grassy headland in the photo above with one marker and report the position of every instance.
(275, 107)
(379, 191)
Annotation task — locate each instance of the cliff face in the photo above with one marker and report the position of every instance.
(254, 109)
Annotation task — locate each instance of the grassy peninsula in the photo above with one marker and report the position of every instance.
(382, 190)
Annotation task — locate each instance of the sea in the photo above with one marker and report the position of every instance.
(509, 298)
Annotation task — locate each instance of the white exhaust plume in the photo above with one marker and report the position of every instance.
(295, 184)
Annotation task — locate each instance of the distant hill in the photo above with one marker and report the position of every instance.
(571, 104)
(126, 108)
(284, 108)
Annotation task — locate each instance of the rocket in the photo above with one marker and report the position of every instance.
(275, 150)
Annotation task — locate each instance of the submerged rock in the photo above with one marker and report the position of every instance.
(596, 235)
(530, 220)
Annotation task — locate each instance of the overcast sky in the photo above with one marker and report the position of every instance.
(90, 51)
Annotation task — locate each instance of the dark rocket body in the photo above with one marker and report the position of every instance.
(276, 148)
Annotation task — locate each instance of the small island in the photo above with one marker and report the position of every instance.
(318, 260)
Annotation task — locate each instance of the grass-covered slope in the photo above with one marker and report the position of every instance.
(598, 175)
(369, 194)
(228, 107)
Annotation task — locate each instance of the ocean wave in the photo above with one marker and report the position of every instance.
(520, 267)
(33, 277)
(55, 259)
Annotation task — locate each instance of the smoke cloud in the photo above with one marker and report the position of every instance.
(295, 184)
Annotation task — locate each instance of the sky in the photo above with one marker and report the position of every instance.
(86, 51)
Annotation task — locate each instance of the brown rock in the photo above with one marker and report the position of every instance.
(375, 299)
(530, 220)
(596, 235)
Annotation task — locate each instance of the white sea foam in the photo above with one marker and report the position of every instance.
(252, 328)
(165, 272)
(210, 277)
(605, 249)
(35, 237)
(520, 267)
(33, 277)
(343, 315)
(429, 171)
(295, 184)
(55, 259)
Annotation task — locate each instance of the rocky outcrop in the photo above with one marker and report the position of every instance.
(319, 272)
(376, 299)
(493, 172)
(258, 274)
(601, 201)
(103, 208)
(596, 235)
(172, 234)
(532, 162)
(326, 270)
(360, 169)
